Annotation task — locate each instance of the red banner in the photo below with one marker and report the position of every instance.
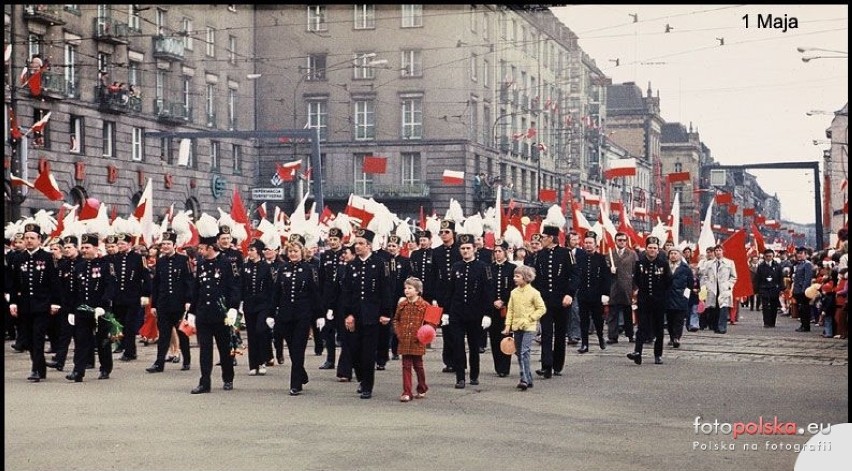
(547, 195)
(724, 198)
(373, 164)
(678, 177)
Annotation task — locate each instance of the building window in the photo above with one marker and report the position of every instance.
(412, 16)
(411, 168)
(473, 18)
(363, 181)
(237, 152)
(503, 25)
(412, 64)
(486, 71)
(160, 21)
(363, 68)
(232, 49)
(71, 70)
(318, 117)
(166, 150)
(474, 64)
(133, 20)
(215, 158)
(412, 117)
(486, 125)
(232, 109)
(317, 18)
(316, 67)
(34, 42)
(210, 105)
(365, 16)
(365, 120)
(109, 138)
(192, 159)
(678, 192)
(137, 151)
(211, 42)
(486, 27)
(678, 167)
(474, 120)
(75, 135)
(187, 94)
(186, 30)
(134, 75)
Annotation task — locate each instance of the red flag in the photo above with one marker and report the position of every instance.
(89, 209)
(113, 213)
(35, 82)
(140, 210)
(616, 206)
(287, 172)
(238, 210)
(547, 195)
(261, 211)
(758, 238)
(735, 250)
(46, 184)
(375, 164)
(732, 209)
(678, 177)
(724, 198)
(422, 220)
(748, 212)
(326, 216)
(566, 198)
(357, 208)
(625, 227)
(620, 168)
(14, 127)
(60, 223)
(40, 124)
(531, 133)
(17, 181)
(532, 228)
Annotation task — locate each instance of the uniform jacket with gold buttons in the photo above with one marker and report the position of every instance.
(366, 290)
(471, 291)
(216, 289)
(35, 281)
(171, 287)
(297, 294)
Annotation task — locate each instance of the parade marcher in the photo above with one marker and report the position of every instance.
(171, 295)
(503, 273)
(803, 275)
(718, 278)
(593, 290)
(366, 300)
(621, 290)
(677, 300)
(132, 289)
(215, 298)
(297, 306)
(257, 287)
(421, 262)
(557, 281)
(443, 258)
(34, 296)
(344, 360)
(523, 312)
(65, 271)
(535, 247)
(703, 265)
(483, 253)
(400, 269)
(652, 278)
(573, 327)
(92, 293)
(768, 285)
(16, 249)
(408, 319)
(330, 286)
(275, 346)
(470, 295)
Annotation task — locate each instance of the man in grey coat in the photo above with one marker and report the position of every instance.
(621, 291)
(719, 277)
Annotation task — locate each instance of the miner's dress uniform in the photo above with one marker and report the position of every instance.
(171, 290)
(503, 281)
(94, 286)
(65, 271)
(594, 282)
(132, 282)
(276, 341)
(216, 291)
(257, 283)
(652, 278)
(556, 277)
(330, 287)
(443, 258)
(421, 267)
(471, 295)
(298, 305)
(366, 296)
(400, 269)
(34, 289)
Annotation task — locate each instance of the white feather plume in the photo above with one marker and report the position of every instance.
(403, 230)
(225, 219)
(489, 220)
(513, 237)
(554, 217)
(45, 220)
(12, 228)
(238, 232)
(433, 225)
(181, 222)
(455, 213)
(207, 226)
(342, 222)
(100, 223)
(74, 228)
(473, 226)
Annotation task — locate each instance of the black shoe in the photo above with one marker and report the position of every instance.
(448, 369)
(636, 357)
(366, 395)
(481, 349)
(18, 348)
(630, 339)
(572, 342)
(280, 359)
(229, 385)
(184, 368)
(127, 358)
(295, 391)
(395, 357)
(522, 386)
(74, 376)
(103, 375)
(692, 330)
(583, 349)
(327, 366)
(474, 382)
(155, 368)
(118, 350)
(802, 330)
(555, 373)
(35, 377)
(55, 365)
(658, 360)
(200, 389)
(318, 354)
(380, 367)
(176, 359)
(90, 366)
(546, 373)
(611, 341)
(460, 384)
(675, 343)
(602, 343)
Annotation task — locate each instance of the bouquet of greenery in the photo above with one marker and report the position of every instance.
(114, 327)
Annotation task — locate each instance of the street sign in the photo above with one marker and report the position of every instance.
(267, 194)
(718, 177)
(276, 180)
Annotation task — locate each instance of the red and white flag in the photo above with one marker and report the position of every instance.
(23, 78)
(640, 212)
(590, 198)
(40, 124)
(46, 184)
(261, 210)
(17, 181)
(359, 208)
(453, 177)
(531, 133)
(620, 168)
(287, 172)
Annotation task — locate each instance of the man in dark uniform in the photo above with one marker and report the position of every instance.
(535, 248)
(330, 288)
(92, 293)
(593, 290)
(344, 362)
(471, 294)
(132, 284)
(171, 293)
(421, 263)
(258, 288)
(770, 283)
(483, 253)
(225, 243)
(270, 257)
(216, 296)
(443, 258)
(400, 270)
(65, 270)
(34, 296)
(503, 272)
(366, 294)
(652, 277)
(12, 323)
(557, 282)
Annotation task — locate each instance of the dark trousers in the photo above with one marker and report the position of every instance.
(126, 315)
(276, 343)
(502, 362)
(595, 312)
(344, 360)
(362, 346)
(712, 314)
(257, 332)
(295, 333)
(329, 338)
(472, 331)
(770, 309)
(415, 362)
(615, 311)
(54, 330)
(651, 315)
(86, 339)
(804, 306)
(165, 322)
(447, 349)
(383, 345)
(674, 322)
(318, 343)
(66, 333)
(205, 333)
(554, 327)
(33, 327)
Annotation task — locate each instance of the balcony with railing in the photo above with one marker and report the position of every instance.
(53, 85)
(110, 30)
(44, 13)
(116, 101)
(411, 191)
(172, 112)
(168, 48)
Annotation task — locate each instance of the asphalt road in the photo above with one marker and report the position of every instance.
(605, 413)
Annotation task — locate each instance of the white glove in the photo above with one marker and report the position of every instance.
(145, 300)
(486, 322)
(604, 299)
(231, 317)
(434, 302)
(55, 307)
(13, 309)
(329, 314)
(71, 319)
(320, 323)
(6, 295)
(241, 307)
(270, 321)
(190, 319)
(612, 269)
(99, 311)
(445, 319)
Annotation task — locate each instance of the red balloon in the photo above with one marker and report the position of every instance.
(89, 209)
(426, 334)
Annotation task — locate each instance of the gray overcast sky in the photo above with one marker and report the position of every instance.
(747, 98)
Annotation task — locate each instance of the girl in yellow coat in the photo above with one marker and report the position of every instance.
(524, 310)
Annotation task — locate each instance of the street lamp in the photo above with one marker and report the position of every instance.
(819, 49)
(808, 59)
